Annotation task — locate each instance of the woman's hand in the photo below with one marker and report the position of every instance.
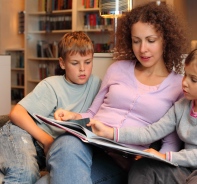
(63, 115)
(101, 130)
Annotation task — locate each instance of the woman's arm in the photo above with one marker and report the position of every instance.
(137, 136)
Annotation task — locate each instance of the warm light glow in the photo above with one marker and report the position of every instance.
(114, 8)
(158, 2)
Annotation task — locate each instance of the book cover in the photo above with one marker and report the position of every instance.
(79, 129)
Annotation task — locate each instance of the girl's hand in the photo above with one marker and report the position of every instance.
(101, 130)
(153, 151)
(63, 115)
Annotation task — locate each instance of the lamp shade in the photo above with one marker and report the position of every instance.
(114, 8)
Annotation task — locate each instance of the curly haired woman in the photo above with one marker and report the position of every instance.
(136, 91)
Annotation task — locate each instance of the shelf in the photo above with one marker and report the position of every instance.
(88, 10)
(17, 87)
(17, 69)
(103, 55)
(97, 30)
(50, 32)
(14, 49)
(56, 12)
(43, 59)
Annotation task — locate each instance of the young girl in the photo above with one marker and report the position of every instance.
(182, 117)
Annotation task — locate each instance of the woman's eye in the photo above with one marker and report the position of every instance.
(88, 62)
(151, 41)
(135, 41)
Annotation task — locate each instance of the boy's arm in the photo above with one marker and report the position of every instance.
(20, 117)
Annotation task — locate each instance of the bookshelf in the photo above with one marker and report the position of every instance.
(45, 25)
(35, 68)
(17, 74)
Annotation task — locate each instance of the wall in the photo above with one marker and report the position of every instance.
(187, 9)
(9, 24)
(5, 100)
(192, 17)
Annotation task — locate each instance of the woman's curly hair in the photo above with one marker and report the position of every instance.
(165, 21)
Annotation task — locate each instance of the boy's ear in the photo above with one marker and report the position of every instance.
(61, 62)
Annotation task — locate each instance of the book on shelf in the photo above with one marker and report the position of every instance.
(95, 21)
(51, 23)
(46, 50)
(50, 5)
(79, 129)
(90, 3)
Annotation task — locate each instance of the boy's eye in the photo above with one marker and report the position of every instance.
(88, 62)
(74, 63)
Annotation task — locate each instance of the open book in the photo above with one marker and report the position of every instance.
(80, 130)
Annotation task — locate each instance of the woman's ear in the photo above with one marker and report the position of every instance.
(61, 62)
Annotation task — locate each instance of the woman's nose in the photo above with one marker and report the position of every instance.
(143, 47)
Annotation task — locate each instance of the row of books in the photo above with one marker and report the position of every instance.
(16, 95)
(44, 70)
(51, 5)
(49, 23)
(17, 59)
(90, 3)
(20, 79)
(102, 47)
(50, 50)
(47, 50)
(95, 21)
(21, 22)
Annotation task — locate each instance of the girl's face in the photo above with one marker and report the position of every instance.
(77, 68)
(189, 82)
(147, 44)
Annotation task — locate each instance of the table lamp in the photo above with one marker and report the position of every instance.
(114, 9)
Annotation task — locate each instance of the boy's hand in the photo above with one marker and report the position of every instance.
(63, 115)
(101, 130)
(47, 145)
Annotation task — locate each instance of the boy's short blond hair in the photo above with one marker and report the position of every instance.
(75, 42)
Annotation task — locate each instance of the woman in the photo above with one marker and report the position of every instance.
(136, 91)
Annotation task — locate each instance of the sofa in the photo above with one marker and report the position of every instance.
(3, 119)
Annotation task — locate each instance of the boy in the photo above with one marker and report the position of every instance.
(74, 91)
